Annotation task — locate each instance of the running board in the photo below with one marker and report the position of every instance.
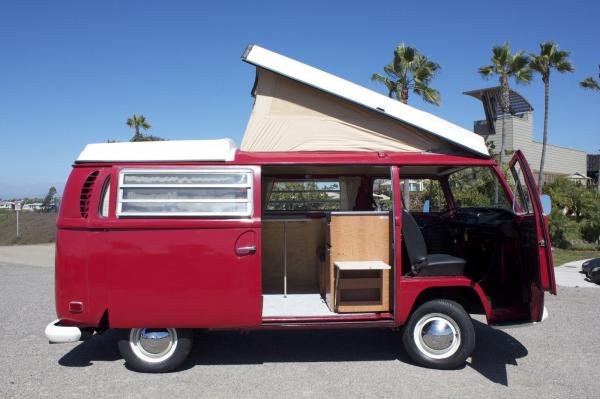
(318, 322)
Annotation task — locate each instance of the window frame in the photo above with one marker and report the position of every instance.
(249, 185)
(497, 178)
(298, 180)
(441, 181)
(105, 196)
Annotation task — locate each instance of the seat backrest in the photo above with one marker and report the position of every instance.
(413, 239)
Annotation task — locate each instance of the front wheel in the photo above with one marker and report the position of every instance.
(155, 350)
(439, 334)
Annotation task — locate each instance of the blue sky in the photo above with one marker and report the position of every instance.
(72, 72)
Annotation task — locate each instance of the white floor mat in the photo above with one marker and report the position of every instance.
(296, 305)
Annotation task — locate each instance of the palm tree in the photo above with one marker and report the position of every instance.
(506, 65)
(138, 122)
(409, 70)
(550, 57)
(590, 83)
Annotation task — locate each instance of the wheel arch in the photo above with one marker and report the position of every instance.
(473, 300)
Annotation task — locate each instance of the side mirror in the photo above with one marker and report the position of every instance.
(546, 204)
(426, 206)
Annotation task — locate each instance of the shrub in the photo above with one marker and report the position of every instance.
(575, 213)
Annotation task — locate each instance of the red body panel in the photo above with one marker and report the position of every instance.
(178, 277)
(182, 272)
(81, 254)
(411, 288)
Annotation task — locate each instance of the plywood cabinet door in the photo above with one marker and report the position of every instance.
(355, 238)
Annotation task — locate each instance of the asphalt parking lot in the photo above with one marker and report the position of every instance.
(557, 358)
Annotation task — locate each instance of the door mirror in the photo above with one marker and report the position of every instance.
(546, 203)
(426, 206)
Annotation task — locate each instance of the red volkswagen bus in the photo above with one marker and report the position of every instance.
(337, 212)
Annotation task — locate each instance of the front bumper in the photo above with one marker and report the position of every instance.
(60, 334)
(544, 314)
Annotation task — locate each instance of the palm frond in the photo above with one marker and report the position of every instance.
(564, 66)
(550, 57)
(408, 70)
(138, 121)
(524, 75)
(590, 83)
(518, 61)
(486, 71)
(539, 63)
(430, 95)
(501, 54)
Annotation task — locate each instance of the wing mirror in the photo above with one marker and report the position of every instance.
(546, 204)
(426, 206)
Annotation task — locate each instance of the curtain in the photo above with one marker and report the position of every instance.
(348, 191)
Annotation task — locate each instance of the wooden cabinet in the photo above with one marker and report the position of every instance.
(357, 236)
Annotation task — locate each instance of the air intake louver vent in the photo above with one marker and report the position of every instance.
(86, 193)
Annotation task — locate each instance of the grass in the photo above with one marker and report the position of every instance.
(34, 228)
(562, 256)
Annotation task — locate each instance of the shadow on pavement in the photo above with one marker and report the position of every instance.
(99, 348)
(495, 349)
(298, 346)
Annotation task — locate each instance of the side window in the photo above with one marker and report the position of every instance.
(305, 195)
(424, 195)
(105, 199)
(185, 192)
(382, 194)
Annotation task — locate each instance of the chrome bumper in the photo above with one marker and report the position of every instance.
(60, 334)
(544, 314)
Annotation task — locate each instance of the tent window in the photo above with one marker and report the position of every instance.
(181, 193)
(305, 195)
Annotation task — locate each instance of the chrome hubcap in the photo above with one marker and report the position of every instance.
(153, 344)
(437, 336)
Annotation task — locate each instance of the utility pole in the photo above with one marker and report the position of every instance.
(17, 208)
(598, 176)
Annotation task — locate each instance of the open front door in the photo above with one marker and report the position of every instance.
(528, 204)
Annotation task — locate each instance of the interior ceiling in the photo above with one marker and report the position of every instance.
(284, 170)
(362, 170)
(428, 170)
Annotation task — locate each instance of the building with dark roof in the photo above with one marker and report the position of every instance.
(560, 161)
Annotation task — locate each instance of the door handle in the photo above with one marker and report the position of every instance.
(247, 250)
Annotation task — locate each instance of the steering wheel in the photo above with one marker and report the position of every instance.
(441, 218)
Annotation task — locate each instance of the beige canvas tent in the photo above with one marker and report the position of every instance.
(301, 108)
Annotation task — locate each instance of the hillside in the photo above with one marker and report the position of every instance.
(35, 228)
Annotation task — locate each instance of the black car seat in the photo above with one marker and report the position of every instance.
(422, 263)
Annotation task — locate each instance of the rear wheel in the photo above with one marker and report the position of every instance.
(439, 334)
(155, 350)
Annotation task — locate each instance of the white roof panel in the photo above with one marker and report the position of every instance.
(342, 88)
(172, 150)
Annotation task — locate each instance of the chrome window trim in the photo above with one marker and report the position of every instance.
(249, 199)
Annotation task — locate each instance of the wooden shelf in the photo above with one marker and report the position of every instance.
(354, 292)
(356, 273)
